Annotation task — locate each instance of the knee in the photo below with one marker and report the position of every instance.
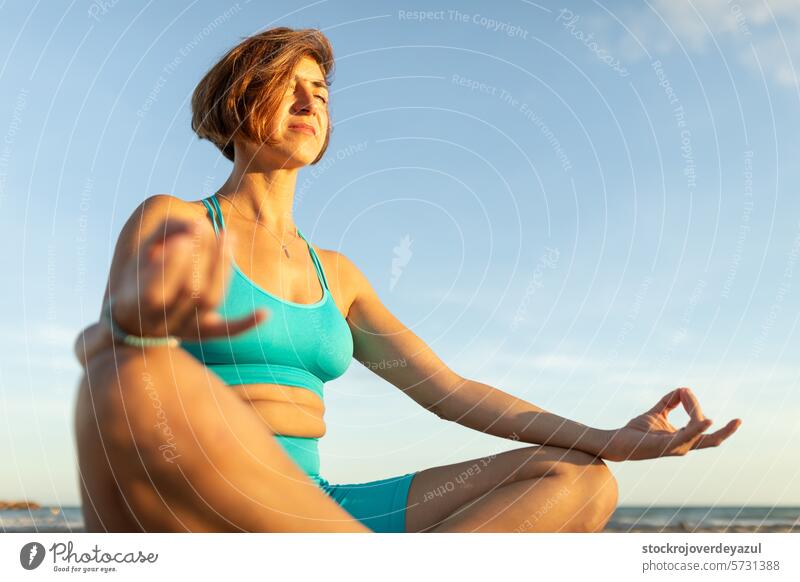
(105, 391)
(122, 401)
(590, 486)
(98, 397)
(596, 495)
(606, 496)
(104, 375)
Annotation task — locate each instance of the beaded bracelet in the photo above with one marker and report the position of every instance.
(135, 340)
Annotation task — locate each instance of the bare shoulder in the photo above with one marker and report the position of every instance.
(344, 278)
(159, 206)
(152, 211)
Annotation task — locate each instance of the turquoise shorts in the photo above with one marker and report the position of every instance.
(380, 505)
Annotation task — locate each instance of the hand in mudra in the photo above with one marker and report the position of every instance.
(175, 281)
(651, 435)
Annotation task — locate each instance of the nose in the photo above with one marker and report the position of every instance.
(304, 102)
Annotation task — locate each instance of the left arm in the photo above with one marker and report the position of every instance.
(396, 354)
(389, 349)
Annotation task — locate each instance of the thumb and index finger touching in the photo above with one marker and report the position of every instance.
(680, 396)
(698, 423)
(697, 420)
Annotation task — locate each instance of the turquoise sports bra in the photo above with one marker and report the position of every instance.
(299, 344)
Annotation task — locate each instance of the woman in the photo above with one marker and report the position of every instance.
(216, 428)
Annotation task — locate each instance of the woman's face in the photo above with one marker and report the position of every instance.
(300, 126)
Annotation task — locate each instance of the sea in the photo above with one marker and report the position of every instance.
(705, 519)
(625, 519)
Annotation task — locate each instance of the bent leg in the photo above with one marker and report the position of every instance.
(537, 488)
(163, 445)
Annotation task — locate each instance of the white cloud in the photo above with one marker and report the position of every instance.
(768, 27)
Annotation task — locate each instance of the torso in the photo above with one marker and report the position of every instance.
(285, 410)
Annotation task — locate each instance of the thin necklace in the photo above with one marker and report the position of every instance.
(283, 245)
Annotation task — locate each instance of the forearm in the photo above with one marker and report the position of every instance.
(489, 410)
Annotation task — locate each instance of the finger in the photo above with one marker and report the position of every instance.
(205, 256)
(213, 325)
(203, 274)
(716, 438)
(192, 296)
(667, 403)
(690, 432)
(213, 285)
(691, 404)
(162, 280)
(220, 273)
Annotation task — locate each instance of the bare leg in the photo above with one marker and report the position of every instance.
(531, 489)
(163, 445)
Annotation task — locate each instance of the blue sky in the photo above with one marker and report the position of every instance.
(585, 206)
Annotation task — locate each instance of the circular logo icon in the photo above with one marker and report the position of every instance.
(31, 555)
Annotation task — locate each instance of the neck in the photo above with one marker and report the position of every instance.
(264, 195)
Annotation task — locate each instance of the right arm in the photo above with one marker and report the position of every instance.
(223, 470)
(153, 302)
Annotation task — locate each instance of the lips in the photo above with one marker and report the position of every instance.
(303, 128)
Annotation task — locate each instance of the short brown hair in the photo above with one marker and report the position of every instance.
(240, 93)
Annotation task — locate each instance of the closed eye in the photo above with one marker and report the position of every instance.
(321, 98)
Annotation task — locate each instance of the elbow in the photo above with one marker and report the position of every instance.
(78, 348)
(438, 411)
(443, 407)
(88, 343)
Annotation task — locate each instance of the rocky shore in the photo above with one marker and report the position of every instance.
(4, 505)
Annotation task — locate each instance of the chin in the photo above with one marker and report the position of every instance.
(298, 160)
(294, 158)
(307, 156)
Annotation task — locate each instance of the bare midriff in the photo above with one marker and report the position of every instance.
(285, 410)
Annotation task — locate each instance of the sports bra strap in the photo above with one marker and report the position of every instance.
(215, 202)
(211, 214)
(316, 261)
